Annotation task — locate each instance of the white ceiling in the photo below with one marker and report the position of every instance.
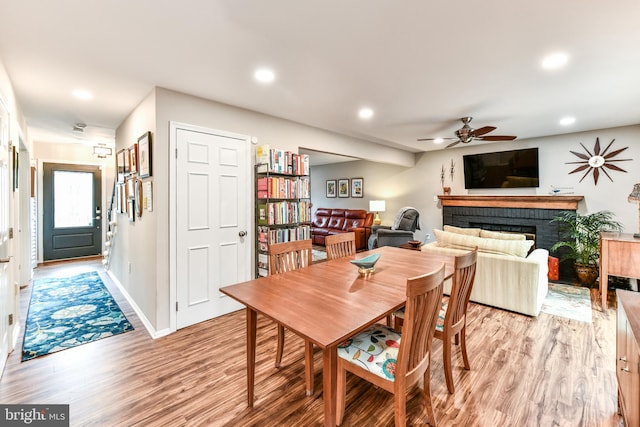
(419, 64)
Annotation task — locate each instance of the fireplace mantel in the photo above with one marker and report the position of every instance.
(531, 202)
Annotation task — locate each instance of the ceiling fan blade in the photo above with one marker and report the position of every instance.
(433, 139)
(483, 130)
(497, 138)
(451, 145)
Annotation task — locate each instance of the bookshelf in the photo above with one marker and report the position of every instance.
(283, 201)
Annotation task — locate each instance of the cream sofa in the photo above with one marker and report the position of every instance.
(507, 275)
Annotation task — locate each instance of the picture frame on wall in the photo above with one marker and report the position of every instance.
(331, 188)
(343, 187)
(357, 187)
(120, 166)
(144, 155)
(127, 162)
(133, 158)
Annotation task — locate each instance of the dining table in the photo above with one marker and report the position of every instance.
(328, 302)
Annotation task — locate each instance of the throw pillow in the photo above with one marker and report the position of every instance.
(502, 236)
(466, 231)
(519, 248)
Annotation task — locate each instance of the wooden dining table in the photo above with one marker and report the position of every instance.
(328, 302)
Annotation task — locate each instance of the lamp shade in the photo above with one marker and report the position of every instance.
(635, 194)
(377, 205)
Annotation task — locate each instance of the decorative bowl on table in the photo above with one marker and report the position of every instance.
(414, 243)
(366, 264)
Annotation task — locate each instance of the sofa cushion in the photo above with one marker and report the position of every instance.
(336, 222)
(467, 231)
(519, 248)
(502, 236)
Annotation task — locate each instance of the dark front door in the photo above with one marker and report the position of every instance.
(72, 211)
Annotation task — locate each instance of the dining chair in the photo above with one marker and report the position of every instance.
(340, 245)
(289, 256)
(452, 319)
(392, 360)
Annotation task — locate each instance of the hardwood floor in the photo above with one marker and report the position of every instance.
(544, 371)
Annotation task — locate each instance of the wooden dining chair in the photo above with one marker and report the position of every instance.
(396, 361)
(285, 257)
(452, 320)
(340, 245)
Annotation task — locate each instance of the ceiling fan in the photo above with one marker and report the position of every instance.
(467, 134)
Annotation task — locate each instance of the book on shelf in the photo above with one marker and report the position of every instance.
(283, 188)
(281, 161)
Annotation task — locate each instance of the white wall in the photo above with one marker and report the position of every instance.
(418, 185)
(135, 256)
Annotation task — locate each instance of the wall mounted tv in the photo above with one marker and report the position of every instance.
(504, 169)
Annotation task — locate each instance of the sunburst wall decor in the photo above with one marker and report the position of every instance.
(597, 161)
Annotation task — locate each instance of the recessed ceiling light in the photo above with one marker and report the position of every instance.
(264, 75)
(365, 113)
(438, 141)
(82, 94)
(566, 121)
(554, 61)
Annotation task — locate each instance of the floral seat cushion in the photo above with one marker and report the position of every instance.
(440, 322)
(374, 349)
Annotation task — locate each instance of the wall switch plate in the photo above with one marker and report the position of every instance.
(435, 198)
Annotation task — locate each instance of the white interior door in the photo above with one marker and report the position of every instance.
(213, 245)
(6, 296)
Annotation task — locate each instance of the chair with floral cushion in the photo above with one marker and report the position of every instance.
(285, 257)
(340, 245)
(395, 361)
(452, 319)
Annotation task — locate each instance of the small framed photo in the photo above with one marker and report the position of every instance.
(343, 187)
(133, 158)
(331, 188)
(120, 165)
(357, 187)
(144, 155)
(131, 188)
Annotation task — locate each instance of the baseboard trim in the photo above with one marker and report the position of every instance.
(147, 324)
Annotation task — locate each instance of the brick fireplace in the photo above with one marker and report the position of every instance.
(522, 214)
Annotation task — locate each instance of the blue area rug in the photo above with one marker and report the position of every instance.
(70, 311)
(572, 302)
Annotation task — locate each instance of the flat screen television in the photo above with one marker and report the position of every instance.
(503, 169)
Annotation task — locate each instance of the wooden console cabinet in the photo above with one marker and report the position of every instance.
(628, 356)
(619, 256)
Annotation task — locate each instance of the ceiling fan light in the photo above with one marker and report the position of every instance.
(438, 141)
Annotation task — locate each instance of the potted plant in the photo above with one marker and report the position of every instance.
(582, 241)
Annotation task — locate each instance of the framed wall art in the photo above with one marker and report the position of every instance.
(343, 187)
(133, 158)
(120, 165)
(357, 185)
(331, 188)
(144, 155)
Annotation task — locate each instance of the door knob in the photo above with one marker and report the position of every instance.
(242, 233)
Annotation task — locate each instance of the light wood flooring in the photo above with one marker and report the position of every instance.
(544, 371)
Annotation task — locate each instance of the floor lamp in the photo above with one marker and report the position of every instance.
(635, 197)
